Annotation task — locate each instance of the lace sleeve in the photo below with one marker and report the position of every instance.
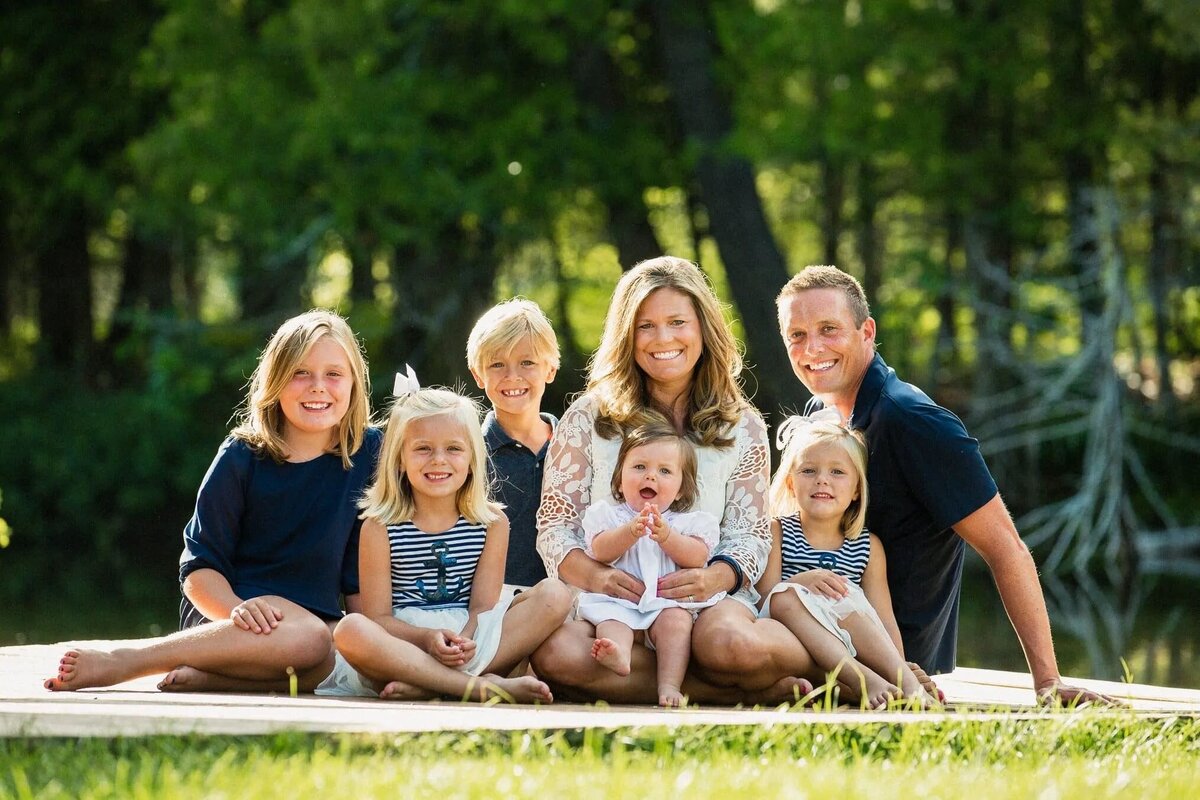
(566, 486)
(746, 526)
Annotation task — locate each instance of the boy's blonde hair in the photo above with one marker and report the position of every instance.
(389, 498)
(504, 326)
(659, 430)
(260, 420)
(796, 435)
(715, 401)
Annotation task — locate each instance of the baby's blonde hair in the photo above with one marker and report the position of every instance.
(389, 498)
(260, 420)
(796, 435)
(503, 326)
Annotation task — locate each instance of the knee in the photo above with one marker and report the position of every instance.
(307, 641)
(553, 596)
(784, 603)
(730, 649)
(350, 632)
(673, 622)
(563, 656)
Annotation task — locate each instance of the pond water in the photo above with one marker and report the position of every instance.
(1156, 632)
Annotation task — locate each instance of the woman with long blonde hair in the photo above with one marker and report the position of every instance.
(667, 352)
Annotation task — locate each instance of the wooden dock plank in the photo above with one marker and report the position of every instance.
(137, 708)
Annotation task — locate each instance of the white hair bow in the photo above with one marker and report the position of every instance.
(406, 382)
(793, 425)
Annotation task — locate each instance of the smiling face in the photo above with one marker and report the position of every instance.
(825, 482)
(515, 381)
(652, 473)
(437, 456)
(829, 353)
(667, 339)
(316, 397)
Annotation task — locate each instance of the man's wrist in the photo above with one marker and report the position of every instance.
(733, 565)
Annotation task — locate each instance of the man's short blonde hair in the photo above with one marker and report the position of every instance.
(826, 276)
(504, 326)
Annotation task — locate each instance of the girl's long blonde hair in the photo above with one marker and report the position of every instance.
(389, 498)
(716, 400)
(795, 436)
(260, 419)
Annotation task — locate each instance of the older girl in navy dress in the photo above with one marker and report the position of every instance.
(834, 593)
(273, 544)
(432, 564)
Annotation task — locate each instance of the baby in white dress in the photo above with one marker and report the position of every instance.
(649, 533)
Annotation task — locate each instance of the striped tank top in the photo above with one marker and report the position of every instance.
(849, 560)
(434, 569)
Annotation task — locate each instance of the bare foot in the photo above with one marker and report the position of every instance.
(84, 669)
(609, 654)
(525, 689)
(787, 689)
(670, 697)
(399, 690)
(880, 693)
(185, 679)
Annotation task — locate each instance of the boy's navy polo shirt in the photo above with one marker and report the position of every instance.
(924, 474)
(516, 474)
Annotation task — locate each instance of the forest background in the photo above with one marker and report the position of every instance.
(1014, 182)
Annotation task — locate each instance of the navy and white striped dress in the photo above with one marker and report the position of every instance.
(432, 578)
(849, 560)
(434, 570)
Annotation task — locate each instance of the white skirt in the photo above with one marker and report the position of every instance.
(829, 611)
(346, 681)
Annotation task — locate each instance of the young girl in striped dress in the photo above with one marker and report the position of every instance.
(834, 594)
(431, 564)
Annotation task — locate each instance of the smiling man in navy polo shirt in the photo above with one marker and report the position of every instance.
(930, 491)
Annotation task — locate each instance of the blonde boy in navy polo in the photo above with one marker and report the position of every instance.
(513, 353)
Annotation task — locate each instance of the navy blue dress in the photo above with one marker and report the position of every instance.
(279, 529)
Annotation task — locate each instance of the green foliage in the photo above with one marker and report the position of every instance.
(100, 482)
(1062, 755)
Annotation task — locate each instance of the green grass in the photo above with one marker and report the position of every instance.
(1083, 754)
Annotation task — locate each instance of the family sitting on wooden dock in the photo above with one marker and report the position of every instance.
(435, 557)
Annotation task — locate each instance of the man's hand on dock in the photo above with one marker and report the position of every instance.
(1056, 693)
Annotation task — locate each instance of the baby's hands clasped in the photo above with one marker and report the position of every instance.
(660, 531)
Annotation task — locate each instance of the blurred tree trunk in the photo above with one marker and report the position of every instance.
(868, 228)
(362, 249)
(754, 265)
(442, 288)
(64, 276)
(145, 289)
(1164, 238)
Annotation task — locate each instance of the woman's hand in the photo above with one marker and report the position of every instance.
(822, 581)
(449, 648)
(695, 585)
(618, 583)
(256, 615)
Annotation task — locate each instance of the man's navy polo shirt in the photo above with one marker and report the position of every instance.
(924, 474)
(516, 474)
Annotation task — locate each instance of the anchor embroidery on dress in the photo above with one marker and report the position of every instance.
(441, 560)
(827, 561)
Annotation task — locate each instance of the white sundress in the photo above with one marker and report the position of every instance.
(646, 561)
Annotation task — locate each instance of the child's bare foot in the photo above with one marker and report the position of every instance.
(185, 679)
(399, 690)
(525, 689)
(670, 697)
(787, 689)
(84, 669)
(609, 654)
(880, 693)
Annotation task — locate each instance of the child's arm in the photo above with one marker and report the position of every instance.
(609, 545)
(375, 598)
(489, 574)
(773, 572)
(875, 587)
(213, 596)
(688, 551)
